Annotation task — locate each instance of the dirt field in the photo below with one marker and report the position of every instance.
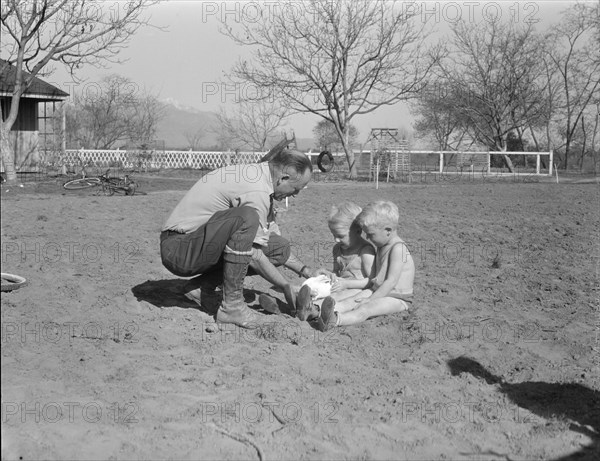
(102, 358)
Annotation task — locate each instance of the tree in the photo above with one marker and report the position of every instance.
(72, 32)
(193, 138)
(327, 137)
(575, 61)
(492, 72)
(251, 124)
(116, 110)
(337, 59)
(437, 117)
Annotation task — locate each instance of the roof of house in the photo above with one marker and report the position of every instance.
(38, 89)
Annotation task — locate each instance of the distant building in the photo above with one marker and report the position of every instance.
(25, 133)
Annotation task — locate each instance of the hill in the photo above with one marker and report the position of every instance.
(180, 120)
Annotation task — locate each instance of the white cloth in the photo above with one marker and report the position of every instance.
(320, 286)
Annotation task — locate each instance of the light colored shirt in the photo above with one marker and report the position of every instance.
(232, 186)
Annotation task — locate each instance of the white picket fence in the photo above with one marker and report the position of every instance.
(156, 159)
(209, 160)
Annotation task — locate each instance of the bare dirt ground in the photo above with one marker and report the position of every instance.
(102, 358)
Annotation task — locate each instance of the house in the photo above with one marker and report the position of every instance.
(33, 107)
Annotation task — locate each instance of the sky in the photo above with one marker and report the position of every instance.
(186, 59)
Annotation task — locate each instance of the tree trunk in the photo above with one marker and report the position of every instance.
(537, 147)
(584, 144)
(352, 167)
(8, 156)
(593, 144)
(501, 145)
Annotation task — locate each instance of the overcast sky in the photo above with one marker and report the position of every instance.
(186, 62)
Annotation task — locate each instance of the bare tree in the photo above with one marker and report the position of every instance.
(149, 111)
(493, 71)
(193, 138)
(72, 32)
(117, 110)
(437, 117)
(337, 59)
(327, 137)
(575, 61)
(251, 124)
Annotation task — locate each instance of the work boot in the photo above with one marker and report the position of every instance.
(233, 308)
(205, 290)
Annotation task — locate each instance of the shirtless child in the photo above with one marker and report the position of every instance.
(390, 288)
(353, 259)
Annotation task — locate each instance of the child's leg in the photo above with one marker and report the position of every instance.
(345, 294)
(306, 312)
(347, 304)
(369, 309)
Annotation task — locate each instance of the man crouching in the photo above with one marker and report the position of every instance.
(223, 225)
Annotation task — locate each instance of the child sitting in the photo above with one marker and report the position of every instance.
(353, 259)
(390, 288)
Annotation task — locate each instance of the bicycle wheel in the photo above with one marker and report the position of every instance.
(12, 282)
(130, 188)
(81, 183)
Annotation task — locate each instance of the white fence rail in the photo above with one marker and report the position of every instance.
(400, 161)
(157, 159)
(473, 161)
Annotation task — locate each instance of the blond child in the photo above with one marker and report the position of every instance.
(353, 259)
(390, 288)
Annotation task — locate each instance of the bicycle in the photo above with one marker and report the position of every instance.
(107, 184)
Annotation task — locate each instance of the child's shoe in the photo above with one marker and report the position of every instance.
(314, 312)
(328, 317)
(304, 303)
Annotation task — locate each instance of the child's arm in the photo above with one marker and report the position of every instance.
(395, 266)
(367, 259)
(323, 271)
(348, 284)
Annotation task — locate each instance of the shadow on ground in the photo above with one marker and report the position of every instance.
(577, 403)
(170, 293)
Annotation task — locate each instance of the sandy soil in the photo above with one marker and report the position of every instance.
(102, 358)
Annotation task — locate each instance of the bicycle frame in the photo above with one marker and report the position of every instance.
(123, 185)
(108, 185)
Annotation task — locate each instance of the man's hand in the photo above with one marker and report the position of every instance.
(274, 228)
